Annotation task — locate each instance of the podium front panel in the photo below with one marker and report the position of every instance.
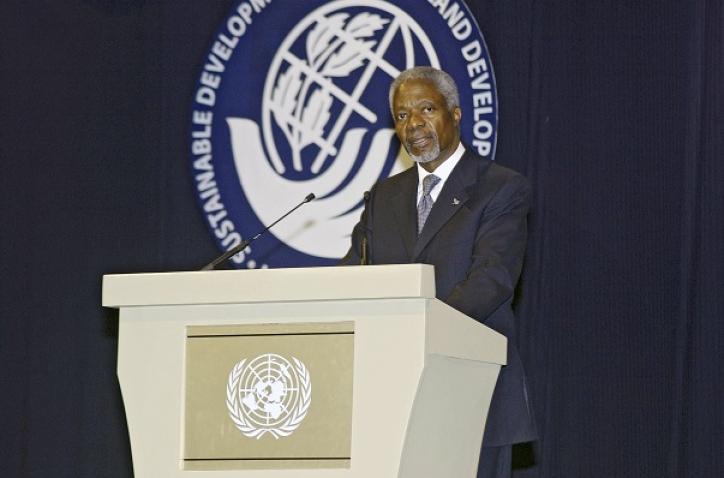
(268, 396)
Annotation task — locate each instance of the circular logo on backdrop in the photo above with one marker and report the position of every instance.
(292, 99)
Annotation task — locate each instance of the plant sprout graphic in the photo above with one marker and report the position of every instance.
(335, 48)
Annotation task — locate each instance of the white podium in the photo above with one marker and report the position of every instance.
(353, 372)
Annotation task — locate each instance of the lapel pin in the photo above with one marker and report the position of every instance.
(456, 201)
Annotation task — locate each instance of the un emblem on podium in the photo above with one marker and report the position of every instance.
(268, 394)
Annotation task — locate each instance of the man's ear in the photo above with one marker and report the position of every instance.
(457, 114)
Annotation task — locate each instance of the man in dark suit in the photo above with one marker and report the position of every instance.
(466, 216)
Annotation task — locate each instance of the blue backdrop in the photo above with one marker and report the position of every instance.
(613, 109)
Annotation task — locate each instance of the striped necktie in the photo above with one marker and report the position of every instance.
(425, 204)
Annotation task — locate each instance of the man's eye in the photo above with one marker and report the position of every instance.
(401, 116)
(427, 109)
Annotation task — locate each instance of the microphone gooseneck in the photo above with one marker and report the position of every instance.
(364, 243)
(245, 243)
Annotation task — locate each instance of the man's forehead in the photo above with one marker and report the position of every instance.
(417, 89)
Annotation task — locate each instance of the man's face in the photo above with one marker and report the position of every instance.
(428, 130)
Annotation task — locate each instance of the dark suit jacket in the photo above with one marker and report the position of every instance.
(475, 237)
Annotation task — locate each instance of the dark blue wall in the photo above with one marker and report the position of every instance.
(613, 109)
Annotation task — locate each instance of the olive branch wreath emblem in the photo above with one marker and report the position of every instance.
(293, 420)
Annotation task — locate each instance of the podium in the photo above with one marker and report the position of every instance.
(353, 372)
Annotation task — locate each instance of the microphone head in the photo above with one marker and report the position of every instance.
(309, 197)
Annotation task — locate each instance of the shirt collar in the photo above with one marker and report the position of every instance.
(443, 171)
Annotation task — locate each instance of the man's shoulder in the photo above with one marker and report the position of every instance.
(395, 182)
(492, 169)
(470, 165)
(490, 176)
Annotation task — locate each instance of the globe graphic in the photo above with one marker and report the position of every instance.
(331, 71)
(269, 390)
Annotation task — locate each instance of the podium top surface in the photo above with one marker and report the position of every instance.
(269, 285)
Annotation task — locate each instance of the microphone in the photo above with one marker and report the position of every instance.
(364, 246)
(245, 243)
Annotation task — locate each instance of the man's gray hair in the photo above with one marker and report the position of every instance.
(442, 81)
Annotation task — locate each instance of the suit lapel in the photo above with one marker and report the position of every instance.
(452, 197)
(404, 206)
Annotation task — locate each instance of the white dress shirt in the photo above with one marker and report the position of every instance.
(443, 172)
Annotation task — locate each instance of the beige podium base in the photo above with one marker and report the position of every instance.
(407, 394)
